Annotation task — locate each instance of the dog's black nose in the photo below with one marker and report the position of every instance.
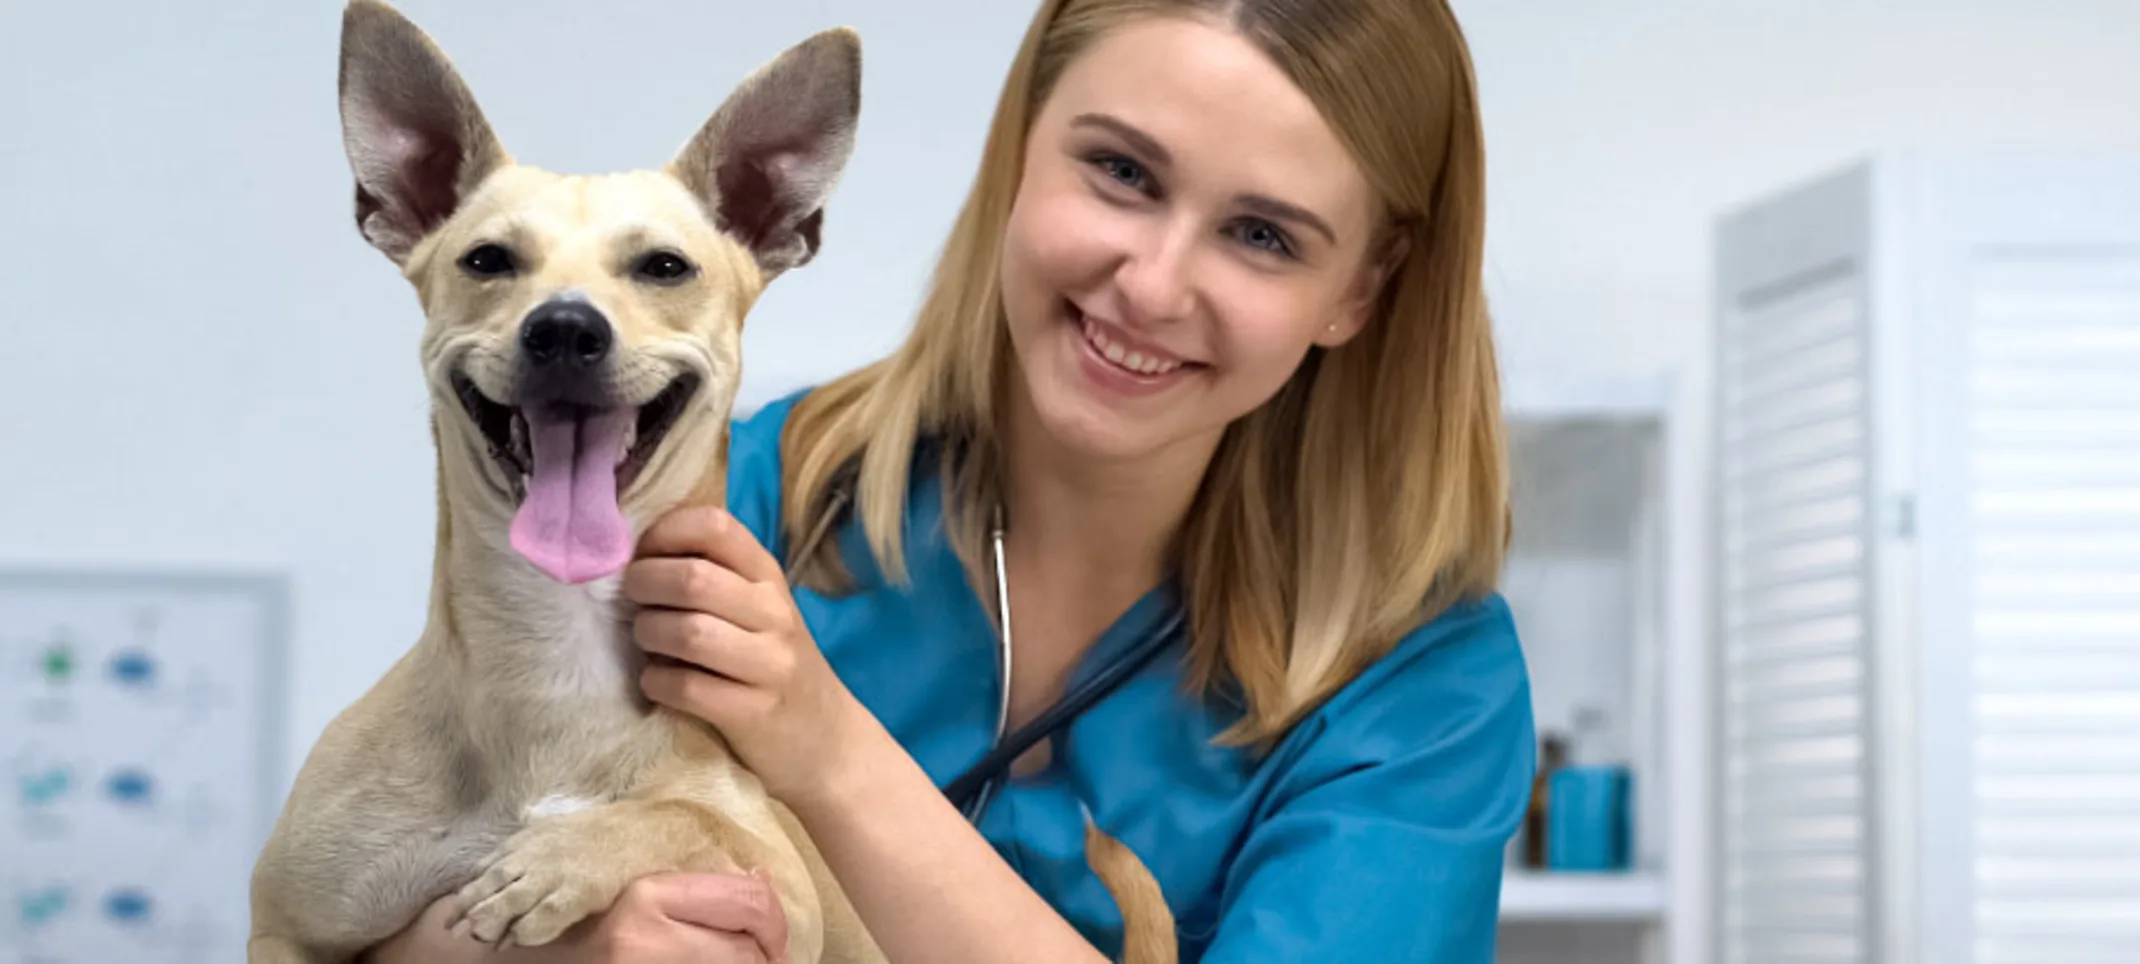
(567, 334)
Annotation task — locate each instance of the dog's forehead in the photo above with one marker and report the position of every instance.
(593, 205)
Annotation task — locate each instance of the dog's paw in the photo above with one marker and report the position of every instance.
(540, 882)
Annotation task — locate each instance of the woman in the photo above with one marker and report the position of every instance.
(1208, 341)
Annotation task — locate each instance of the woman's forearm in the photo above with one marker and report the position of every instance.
(926, 884)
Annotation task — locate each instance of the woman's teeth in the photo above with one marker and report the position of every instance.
(1127, 358)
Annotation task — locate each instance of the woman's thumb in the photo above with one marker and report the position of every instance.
(741, 903)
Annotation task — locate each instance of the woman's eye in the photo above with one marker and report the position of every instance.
(1122, 169)
(1267, 236)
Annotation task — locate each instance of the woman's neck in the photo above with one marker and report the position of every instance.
(1083, 522)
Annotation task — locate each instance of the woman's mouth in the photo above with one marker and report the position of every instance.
(1133, 360)
(1120, 363)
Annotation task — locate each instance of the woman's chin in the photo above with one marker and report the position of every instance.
(1086, 427)
(1093, 419)
(1094, 432)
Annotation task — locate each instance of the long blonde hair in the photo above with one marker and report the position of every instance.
(1369, 494)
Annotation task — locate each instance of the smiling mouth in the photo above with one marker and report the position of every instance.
(505, 428)
(1127, 359)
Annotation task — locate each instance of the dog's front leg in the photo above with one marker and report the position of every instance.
(564, 868)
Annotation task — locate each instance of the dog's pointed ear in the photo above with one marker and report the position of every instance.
(768, 159)
(417, 142)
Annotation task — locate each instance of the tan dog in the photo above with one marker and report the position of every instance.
(581, 348)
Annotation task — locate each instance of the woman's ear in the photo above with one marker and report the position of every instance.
(1366, 292)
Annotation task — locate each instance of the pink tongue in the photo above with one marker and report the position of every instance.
(569, 525)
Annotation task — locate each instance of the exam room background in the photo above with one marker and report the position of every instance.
(207, 367)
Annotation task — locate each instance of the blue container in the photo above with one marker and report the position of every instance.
(1587, 818)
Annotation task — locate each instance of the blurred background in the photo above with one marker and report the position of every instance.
(1821, 329)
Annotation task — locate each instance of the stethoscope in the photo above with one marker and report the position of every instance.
(975, 789)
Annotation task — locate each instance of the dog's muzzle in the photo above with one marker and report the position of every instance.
(566, 356)
(568, 370)
(571, 442)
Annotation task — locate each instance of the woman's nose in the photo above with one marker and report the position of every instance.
(1157, 279)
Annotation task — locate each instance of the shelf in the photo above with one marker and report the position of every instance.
(1533, 896)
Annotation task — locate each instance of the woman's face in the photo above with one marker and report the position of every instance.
(1187, 227)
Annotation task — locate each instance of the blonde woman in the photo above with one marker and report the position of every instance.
(1206, 366)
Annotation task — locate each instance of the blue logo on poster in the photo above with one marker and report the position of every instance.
(39, 906)
(133, 668)
(130, 787)
(45, 787)
(127, 906)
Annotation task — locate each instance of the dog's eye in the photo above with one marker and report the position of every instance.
(663, 266)
(487, 260)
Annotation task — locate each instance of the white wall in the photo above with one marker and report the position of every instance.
(206, 368)
(1616, 130)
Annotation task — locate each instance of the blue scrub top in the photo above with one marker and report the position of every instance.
(1375, 831)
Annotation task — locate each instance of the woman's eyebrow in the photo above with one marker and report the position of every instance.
(1157, 155)
(1139, 141)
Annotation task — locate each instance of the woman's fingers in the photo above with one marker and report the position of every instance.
(701, 586)
(427, 941)
(733, 948)
(715, 535)
(713, 644)
(737, 903)
(716, 700)
(643, 926)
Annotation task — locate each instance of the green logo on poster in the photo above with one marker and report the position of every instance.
(58, 660)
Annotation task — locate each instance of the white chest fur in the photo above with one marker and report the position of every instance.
(587, 652)
(556, 805)
(555, 697)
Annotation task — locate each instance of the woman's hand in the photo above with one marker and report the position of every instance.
(660, 919)
(717, 604)
(926, 885)
(427, 941)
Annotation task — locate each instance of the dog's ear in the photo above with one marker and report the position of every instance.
(768, 159)
(417, 142)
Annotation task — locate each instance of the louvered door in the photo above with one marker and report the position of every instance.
(1793, 590)
(1928, 596)
(2030, 416)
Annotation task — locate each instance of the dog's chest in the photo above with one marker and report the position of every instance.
(568, 720)
(558, 656)
(586, 657)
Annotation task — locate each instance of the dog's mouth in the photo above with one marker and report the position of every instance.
(567, 465)
(506, 428)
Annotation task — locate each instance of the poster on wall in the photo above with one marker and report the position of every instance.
(140, 735)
